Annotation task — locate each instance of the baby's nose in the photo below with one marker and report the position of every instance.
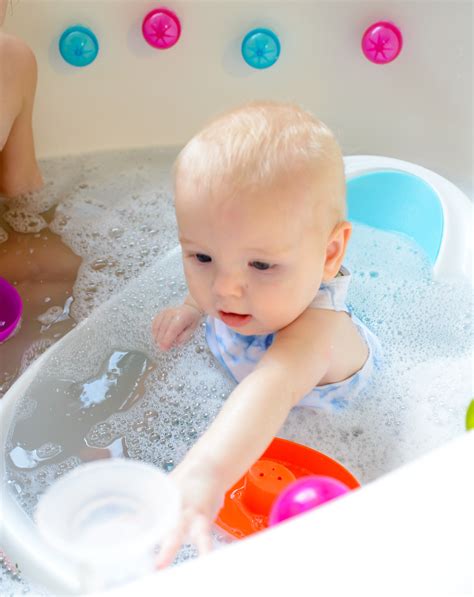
(226, 285)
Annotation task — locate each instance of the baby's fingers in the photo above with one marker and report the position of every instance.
(200, 534)
(156, 326)
(169, 333)
(184, 336)
(164, 329)
(171, 544)
(164, 333)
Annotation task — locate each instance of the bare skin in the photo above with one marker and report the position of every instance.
(19, 171)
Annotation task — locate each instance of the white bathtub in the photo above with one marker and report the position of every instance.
(411, 526)
(411, 530)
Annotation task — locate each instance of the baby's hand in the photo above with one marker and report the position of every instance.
(175, 326)
(201, 501)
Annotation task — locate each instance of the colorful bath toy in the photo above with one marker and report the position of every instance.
(161, 28)
(78, 46)
(469, 416)
(382, 42)
(305, 494)
(248, 504)
(260, 48)
(11, 308)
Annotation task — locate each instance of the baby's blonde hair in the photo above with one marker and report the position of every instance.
(257, 145)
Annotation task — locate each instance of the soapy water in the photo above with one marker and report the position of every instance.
(110, 392)
(111, 234)
(43, 270)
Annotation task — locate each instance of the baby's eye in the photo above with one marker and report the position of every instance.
(261, 265)
(203, 258)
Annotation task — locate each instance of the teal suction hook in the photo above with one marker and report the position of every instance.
(78, 46)
(260, 48)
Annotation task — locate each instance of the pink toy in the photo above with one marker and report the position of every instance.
(305, 494)
(11, 309)
(382, 42)
(161, 28)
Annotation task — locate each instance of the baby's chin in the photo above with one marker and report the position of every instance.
(254, 328)
(261, 327)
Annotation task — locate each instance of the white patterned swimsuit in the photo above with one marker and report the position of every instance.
(239, 354)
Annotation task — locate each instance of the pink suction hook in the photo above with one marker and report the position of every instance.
(11, 308)
(382, 42)
(161, 28)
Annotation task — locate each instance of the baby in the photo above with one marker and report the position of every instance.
(260, 205)
(19, 172)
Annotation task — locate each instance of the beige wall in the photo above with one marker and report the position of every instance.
(418, 108)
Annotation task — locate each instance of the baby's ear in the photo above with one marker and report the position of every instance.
(336, 249)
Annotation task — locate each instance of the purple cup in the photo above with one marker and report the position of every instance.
(11, 308)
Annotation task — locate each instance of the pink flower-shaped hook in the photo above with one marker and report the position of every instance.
(161, 28)
(382, 42)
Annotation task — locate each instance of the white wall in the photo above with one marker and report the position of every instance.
(418, 108)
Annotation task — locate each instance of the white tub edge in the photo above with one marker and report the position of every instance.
(407, 533)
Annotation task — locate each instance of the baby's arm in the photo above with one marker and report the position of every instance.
(19, 172)
(298, 359)
(176, 325)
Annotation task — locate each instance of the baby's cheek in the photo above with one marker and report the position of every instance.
(281, 306)
(269, 305)
(198, 288)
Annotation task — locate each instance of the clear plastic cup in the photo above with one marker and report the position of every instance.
(108, 516)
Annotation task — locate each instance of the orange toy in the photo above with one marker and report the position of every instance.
(248, 503)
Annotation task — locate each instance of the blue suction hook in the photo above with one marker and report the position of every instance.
(78, 46)
(260, 48)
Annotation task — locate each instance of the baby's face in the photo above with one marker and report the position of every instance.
(255, 262)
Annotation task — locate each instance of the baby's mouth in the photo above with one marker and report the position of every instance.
(234, 320)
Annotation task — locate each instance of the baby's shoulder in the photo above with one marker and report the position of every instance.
(316, 327)
(325, 334)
